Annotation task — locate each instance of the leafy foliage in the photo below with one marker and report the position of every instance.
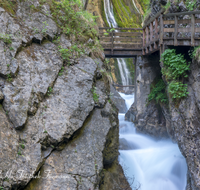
(95, 95)
(6, 38)
(178, 90)
(74, 51)
(193, 53)
(175, 69)
(158, 92)
(191, 4)
(73, 18)
(175, 66)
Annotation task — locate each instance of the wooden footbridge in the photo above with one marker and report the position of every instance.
(173, 29)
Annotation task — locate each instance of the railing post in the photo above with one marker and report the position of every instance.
(112, 42)
(161, 29)
(192, 29)
(151, 35)
(143, 52)
(175, 31)
(156, 33)
(147, 39)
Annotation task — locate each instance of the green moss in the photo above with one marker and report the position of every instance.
(9, 6)
(103, 13)
(145, 4)
(123, 15)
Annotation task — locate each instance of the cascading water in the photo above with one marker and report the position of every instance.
(154, 165)
(124, 72)
(150, 164)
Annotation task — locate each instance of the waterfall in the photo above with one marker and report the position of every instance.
(124, 72)
(148, 163)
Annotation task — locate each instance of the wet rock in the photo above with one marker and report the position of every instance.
(1, 96)
(117, 100)
(125, 145)
(81, 160)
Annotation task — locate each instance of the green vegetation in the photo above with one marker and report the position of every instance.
(22, 145)
(61, 71)
(95, 95)
(74, 51)
(9, 78)
(74, 20)
(178, 90)
(9, 5)
(191, 4)
(175, 66)
(175, 70)
(194, 53)
(125, 14)
(6, 38)
(50, 91)
(158, 92)
(168, 5)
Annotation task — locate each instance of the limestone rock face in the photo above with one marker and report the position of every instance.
(179, 121)
(81, 160)
(118, 100)
(38, 69)
(51, 126)
(147, 117)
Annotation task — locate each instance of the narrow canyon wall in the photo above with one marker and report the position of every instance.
(58, 127)
(180, 121)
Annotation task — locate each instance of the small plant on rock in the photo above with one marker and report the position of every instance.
(95, 95)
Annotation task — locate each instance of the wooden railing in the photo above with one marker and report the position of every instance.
(175, 29)
(121, 39)
(171, 29)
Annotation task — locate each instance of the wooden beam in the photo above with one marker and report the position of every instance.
(147, 35)
(156, 28)
(151, 35)
(153, 18)
(175, 31)
(143, 42)
(182, 13)
(103, 28)
(168, 22)
(112, 42)
(192, 29)
(161, 29)
(168, 30)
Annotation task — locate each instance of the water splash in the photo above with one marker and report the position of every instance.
(155, 165)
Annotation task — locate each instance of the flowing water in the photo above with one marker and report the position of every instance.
(124, 72)
(148, 163)
(152, 164)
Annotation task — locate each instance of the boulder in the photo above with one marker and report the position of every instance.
(117, 100)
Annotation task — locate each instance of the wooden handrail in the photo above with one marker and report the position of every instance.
(182, 13)
(152, 19)
(152, 36)
(103, 28)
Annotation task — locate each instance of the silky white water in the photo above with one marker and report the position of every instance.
(155, 165)
(124, 72)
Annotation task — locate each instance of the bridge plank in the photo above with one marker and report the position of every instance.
(175, 31)
(121, 39)
(192, 29)
(168, 29)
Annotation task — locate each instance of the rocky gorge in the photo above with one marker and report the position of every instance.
(177, 120)
(58, 127)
